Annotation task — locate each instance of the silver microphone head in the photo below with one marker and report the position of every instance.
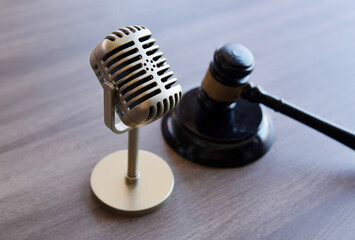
(129, 65)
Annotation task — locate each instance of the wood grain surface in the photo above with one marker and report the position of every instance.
(52, 131)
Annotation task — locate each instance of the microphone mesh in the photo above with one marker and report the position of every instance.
(130, 59)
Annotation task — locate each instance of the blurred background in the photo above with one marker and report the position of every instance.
(52, 131)
(292, 41)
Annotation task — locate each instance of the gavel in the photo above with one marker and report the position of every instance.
(221, 123)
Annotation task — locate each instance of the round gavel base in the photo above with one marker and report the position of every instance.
(231, 138)
(154, 186)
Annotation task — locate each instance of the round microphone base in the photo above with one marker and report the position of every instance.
(152, 188)
(231, 137)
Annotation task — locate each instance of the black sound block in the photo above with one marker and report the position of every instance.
(218, 136)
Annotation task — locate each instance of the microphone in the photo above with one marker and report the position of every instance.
(135, 77)
(138, 87)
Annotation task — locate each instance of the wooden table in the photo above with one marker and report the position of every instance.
(52, 132)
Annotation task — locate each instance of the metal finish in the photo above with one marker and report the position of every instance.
(109, 110)
(137, 86)
(156, 182)
(133, 146)
(136, 79)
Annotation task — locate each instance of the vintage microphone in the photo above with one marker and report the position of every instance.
(139, 87)
(221, 123)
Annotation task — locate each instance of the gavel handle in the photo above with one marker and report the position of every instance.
(254, 94)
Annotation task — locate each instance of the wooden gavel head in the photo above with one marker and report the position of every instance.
(228, 73)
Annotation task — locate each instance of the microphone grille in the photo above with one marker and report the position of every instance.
(129, 58)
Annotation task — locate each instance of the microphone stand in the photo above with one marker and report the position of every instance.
(254, 94)
(133, 149)
(117, 183)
